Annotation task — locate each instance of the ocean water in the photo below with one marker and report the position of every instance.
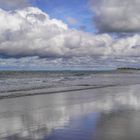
(21, 83)
(109, 109)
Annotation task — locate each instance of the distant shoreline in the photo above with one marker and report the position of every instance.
(70, 70)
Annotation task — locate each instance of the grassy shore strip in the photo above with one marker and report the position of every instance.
(125, 68)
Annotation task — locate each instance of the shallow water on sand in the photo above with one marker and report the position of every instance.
(111, 113)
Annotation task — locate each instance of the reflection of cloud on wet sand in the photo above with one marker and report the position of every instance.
(34, 118)
(119, 125)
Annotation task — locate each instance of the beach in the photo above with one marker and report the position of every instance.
(69, 69)
(81, 106)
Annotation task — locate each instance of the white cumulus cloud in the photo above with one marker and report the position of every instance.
(30, 32)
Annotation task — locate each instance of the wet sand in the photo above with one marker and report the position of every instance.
(111, 113)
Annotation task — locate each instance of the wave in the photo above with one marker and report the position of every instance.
(44, 91)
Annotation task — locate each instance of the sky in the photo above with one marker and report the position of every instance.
(69, 34)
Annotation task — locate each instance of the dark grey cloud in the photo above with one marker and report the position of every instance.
(14, 4)
(83, 27)
(116, 15)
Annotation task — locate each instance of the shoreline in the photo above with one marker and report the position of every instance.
(20, 95)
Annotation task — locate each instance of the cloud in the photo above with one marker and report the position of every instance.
(116, 15)
(33, 33)
(83, 27)
(87, 63)
(14, 4)
(33, 37)
(71, 20)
